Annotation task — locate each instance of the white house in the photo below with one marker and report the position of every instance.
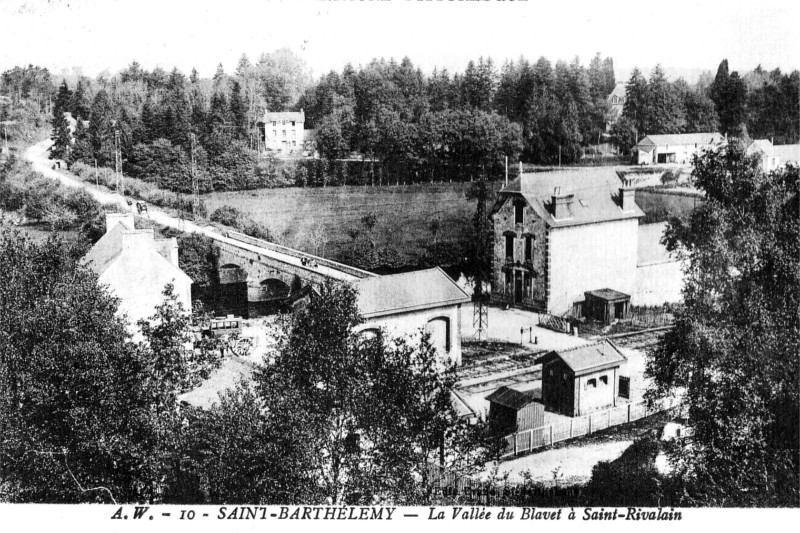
(559, 235)
(674, 148)
(136, 267)
(406, 304)
(284, 131)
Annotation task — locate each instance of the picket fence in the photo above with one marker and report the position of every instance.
(531, 439)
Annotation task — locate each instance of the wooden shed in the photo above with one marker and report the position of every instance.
(606, 305)
(511, 411)
(582, 379)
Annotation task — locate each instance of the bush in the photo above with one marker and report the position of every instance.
(227, 215)
(256, 230)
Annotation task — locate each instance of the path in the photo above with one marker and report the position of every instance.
(37, 155)
(575, 463)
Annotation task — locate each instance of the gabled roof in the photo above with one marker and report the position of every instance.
(763, 146)
(595, 193)
(511, 398)
(787, 152)
(411, 291)
(588, 358)
(619, 91)
(681, 138)
(107, 249)
(285, 115)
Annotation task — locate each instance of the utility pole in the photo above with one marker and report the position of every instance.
(195, 187)
(559, 156)
(118, 164)
(96, 179)
(506, 171)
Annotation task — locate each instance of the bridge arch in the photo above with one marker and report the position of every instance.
(232, 273)
(273, 289)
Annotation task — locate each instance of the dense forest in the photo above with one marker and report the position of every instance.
(387, 121)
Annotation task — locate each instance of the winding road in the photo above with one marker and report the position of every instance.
(37, 155)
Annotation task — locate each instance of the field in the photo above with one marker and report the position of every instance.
(297, 217)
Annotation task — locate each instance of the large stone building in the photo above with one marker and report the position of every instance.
(674, 148)
(136, 267)
(616, 103)
(407, 304)
(560, 234)
(284, 131)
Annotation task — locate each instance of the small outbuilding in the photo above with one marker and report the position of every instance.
(511, 410)
(606, 305)
(582, 379)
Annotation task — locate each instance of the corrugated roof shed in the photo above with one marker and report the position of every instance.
(411, 291)
(589, 357)
(595, 193)
(681, 138)
(511, 398)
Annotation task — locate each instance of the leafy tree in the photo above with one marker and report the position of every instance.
(365, 415)
(79, 412)
(733, 351)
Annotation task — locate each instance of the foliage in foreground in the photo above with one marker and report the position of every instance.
(733, 351)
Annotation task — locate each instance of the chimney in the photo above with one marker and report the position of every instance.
(112, 219)
(626, 198)
(168, 248)
(561, 204)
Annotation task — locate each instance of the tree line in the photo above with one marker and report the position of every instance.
(758, 105)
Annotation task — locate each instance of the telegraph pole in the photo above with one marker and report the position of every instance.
(118, 164)
(195, 187)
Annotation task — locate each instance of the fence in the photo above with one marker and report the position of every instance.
(531, 439)
(650, 318)
(556, 323)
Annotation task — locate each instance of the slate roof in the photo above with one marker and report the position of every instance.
(107, 249)
(787, 152)
(595, 193)
(411, 291)
(511, 398)
(680, 138)
(609, 295)
(589, 357)
(285, 115)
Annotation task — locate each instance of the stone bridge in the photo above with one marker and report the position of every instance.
(258, 275)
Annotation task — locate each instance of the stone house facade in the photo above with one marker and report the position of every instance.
(560, 234)
(284, 131)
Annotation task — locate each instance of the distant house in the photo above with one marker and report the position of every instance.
(674, 148)
(616, 102)
(511, 411)
(774, 156)
(136, 267)
(405, 304)
(558, 235)
(284, 131)
(583, 379)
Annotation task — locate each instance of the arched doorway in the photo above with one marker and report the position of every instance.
(439, 330)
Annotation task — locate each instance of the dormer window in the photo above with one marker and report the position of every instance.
(519, 212)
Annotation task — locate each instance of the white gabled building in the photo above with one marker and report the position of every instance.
(136, 267)
(674, 148)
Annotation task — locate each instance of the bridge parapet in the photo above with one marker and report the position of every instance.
(311, 259)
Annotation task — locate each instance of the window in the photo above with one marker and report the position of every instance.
(284, 133)
(528, 248)
(274, 133)
(274, 123)
(551, 372)
(590, 383)
(604, 380)
(510, 246)
(293, 123)
(519, 210)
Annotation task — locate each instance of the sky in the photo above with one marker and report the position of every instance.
(686, 37)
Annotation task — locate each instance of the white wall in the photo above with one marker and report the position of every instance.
(411, 324)
(658, 283)
(589, 257)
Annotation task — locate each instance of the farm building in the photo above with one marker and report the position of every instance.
(673, 148)
(579, 380)
(511, 411)
(774, 156)
(136, 267)
(284, 131)
(560, 234)
(405, 304)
